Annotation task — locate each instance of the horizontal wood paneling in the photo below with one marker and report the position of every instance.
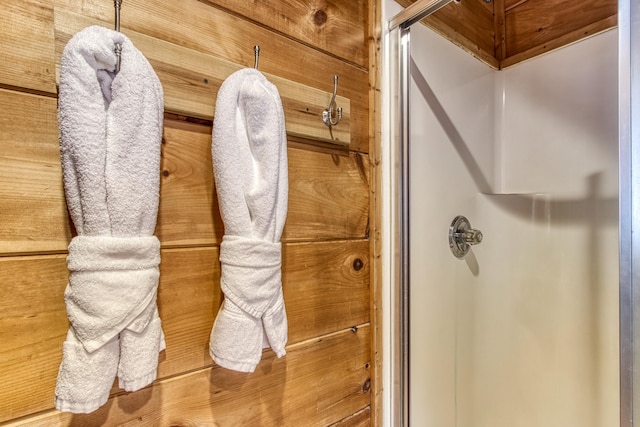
(188, 211)
(334, 26)
(328, 197)
(195, 25)
(191, 80)
(325, 289)
(27, 45)
(33, 324)
(332, 371)
(359, 419)
(32, 209)
(535, 23)
(189, 296)
(326, 377)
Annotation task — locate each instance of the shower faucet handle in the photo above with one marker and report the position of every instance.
(462, 236)
(471, 236)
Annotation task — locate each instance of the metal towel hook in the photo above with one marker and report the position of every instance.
(256, 53)
(118, 47)
(327, 115)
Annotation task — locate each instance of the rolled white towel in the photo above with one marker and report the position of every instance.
(110, 135)
(249, 150)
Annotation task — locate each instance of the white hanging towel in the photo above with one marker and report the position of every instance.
(249, 152)
(110, 135)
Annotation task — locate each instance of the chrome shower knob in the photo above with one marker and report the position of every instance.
(462, 236)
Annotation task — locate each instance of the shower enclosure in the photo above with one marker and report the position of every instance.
(510, 225)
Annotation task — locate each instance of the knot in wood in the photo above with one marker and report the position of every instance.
(320, 17)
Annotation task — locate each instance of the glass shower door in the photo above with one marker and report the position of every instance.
(523, 330)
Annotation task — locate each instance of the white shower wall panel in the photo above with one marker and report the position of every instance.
(560, 120)
(451, 113)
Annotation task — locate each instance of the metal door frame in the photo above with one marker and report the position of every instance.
(399, 35)
(399, 28)
(629, 181)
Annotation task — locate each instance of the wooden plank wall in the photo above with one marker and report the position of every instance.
(327, 374)
(505, 32)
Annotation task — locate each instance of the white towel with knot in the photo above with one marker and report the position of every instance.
(110, 135)
(249, 150)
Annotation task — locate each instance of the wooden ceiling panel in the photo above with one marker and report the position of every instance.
(468, 24)
(502, 33)
(534, 23)
(510, 4)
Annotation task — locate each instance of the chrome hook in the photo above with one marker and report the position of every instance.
(118, 47)
(256, 53)
(327, 115)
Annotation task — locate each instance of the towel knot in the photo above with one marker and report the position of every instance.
(104, 253)
(112, 286)
(251, 272)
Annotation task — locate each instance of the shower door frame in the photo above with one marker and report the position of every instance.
(629, 181)
(399, 32)
(398, 36)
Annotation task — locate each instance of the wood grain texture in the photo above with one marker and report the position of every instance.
(488, 6)
(318, 382)
(327, 192)
(536, 23)
(326, 376)
(510, 4)
(572, 37)
(472, 24)
(500, 46)
(520, 29)
(33, 213)
(325, 288)
(188, 213)
(328, 196)
(359, 419)
(27, 45)
(191, 80)
(33, 324)
(334, 26)
(189, 296)
(194, 25)
(468, 24)
(375, 212)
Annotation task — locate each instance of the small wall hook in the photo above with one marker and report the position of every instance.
(327, 115)
(118, 47)
(256, 54)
